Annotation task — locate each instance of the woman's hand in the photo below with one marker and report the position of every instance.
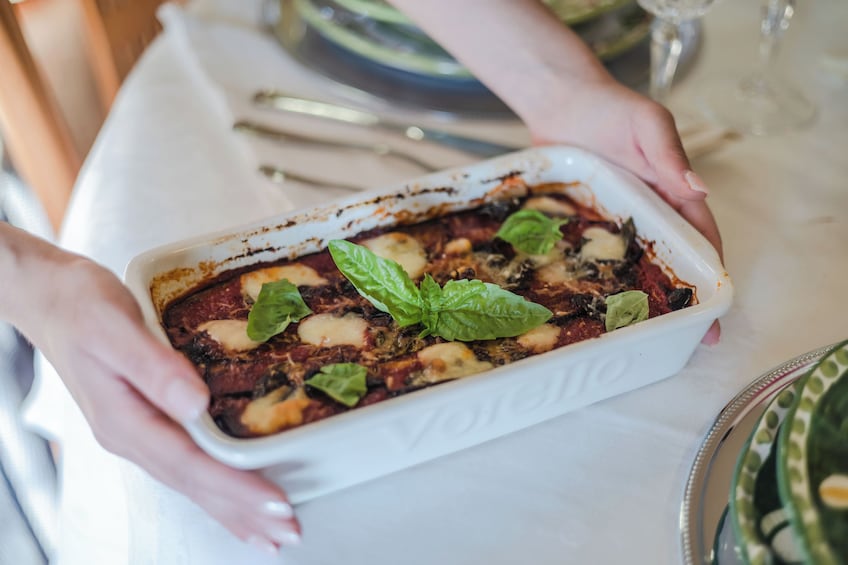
(636, 133)
(133, 390)
(558, 87)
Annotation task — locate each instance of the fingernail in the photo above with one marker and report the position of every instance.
(285, 537)
(278, 509)
(263, 545)
(185, 399)
(695, 182)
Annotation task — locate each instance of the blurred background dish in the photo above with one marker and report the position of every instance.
(399, 46)
(405, 47)
(569, 11)
(368, 45)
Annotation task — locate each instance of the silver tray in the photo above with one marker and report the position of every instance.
(706, 537)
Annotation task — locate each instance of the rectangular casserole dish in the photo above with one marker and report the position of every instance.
(371, 441)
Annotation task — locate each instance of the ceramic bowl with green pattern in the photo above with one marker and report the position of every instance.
(812, 471)
(760, 524)
(402, 46)
(569, 11)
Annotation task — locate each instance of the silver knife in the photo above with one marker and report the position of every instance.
(276, 134)
(286, 103)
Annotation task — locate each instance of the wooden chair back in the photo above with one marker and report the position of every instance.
(118, 32)
(35, 134)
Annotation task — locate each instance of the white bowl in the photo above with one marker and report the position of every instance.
(368, 442)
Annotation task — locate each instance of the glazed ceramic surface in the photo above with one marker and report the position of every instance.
(813, 461)
(760, 523)
(378, 439)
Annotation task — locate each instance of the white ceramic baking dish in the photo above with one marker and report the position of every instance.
(368, 442)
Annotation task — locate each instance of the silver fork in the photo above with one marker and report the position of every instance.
(285, 136)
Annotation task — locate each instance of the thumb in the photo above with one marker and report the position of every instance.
(661, 145)
(164, 376)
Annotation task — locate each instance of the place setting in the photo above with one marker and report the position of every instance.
(425, 333)
(406, 104)
(359, 81)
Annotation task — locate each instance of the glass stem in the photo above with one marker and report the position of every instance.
(665, 54)
(775, 20)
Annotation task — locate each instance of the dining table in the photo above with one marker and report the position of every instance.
(600, 484)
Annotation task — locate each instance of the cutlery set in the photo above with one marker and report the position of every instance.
(698, 138)
(286, 136)
(333, 112)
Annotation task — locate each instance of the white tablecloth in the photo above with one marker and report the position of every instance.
(599, 485)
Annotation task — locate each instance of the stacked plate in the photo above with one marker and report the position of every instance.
(788, 499)
(370, 45)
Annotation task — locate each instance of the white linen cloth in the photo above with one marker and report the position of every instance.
(599, 485)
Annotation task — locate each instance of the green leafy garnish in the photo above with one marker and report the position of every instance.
(343, 382)
(626, 308)
(279, 303)
(467, 310)
(382, 282)
(531, 231)
(463, 310)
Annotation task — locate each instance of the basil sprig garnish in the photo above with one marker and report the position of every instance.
(381, 282)
(531, 231)
(467, 310)
(464, 310)
(279, 303)
(626, 308)
(343, 382)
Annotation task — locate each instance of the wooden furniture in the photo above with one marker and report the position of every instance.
(118, 32)
(32, 127)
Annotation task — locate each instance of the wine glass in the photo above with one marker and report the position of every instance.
(761, 103)
(666, 44)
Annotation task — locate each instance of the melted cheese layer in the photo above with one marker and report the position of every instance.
(550, 206)
(273, 412)
(297, 274)
(231, 334)
(602, 245)
(327, 330)
(451, 360)
(540, 339)
(402, 248)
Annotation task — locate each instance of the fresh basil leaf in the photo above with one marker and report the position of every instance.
(468, 310)
(343, 382)
(279, 303)
(531, 231)
(463, 310)
(626, 308)
(382, 282)
(431, 304)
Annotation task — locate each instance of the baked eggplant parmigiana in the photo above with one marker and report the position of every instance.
(393, 310)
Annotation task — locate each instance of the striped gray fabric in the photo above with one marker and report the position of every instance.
(27, 474)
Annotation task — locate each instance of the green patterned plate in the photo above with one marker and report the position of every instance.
(406, 48)
(410, 54)
(812, 469)
(705, 498)
(569, 11)
(760, 524)
(375, 9)
(574, 12)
